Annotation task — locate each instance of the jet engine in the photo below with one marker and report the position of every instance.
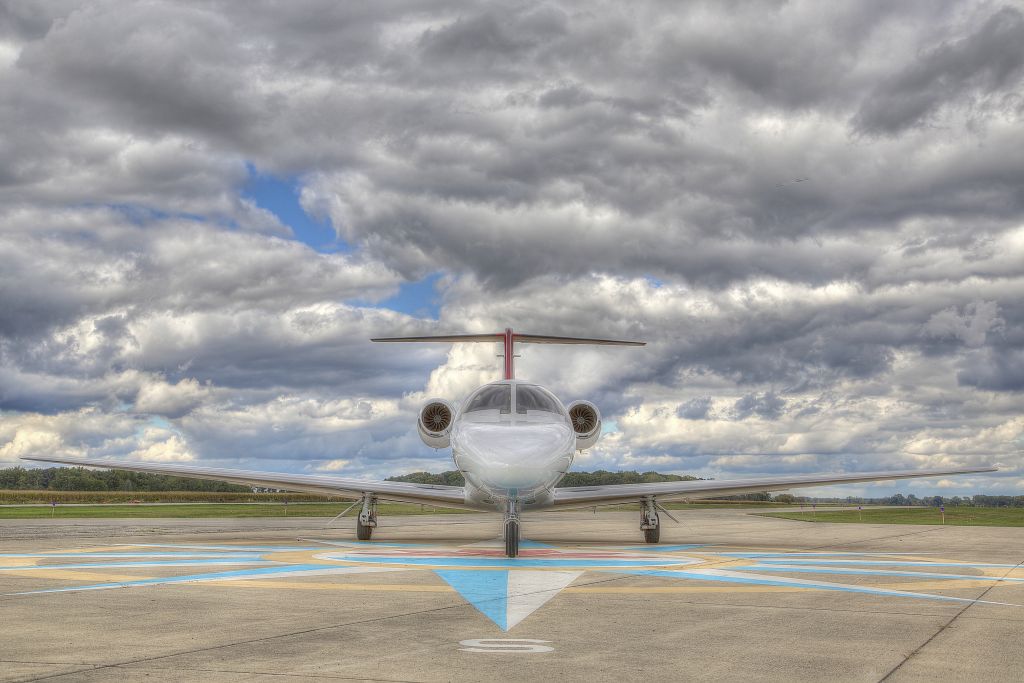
(435, 422)
(586, 422)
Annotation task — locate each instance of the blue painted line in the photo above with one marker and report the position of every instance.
(505, 563)
(700, 576)
(890, 563)
(47, 556)
(373, 544)
(238, 548)
(265, 572)
(799, 555)
(666, 548)
(136, 565)
(533, 544)
(871, 572)
(486, 591)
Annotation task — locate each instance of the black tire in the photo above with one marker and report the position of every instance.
(512, 539)
(653, 535)
(363, 531)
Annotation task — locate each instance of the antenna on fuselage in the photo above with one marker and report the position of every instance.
(508, 338)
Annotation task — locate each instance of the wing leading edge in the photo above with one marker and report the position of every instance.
(587, 496)
(441, 496)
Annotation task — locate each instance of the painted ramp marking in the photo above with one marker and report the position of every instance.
(505, 597)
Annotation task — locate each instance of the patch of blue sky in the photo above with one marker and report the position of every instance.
(654, 282)
(609, 427)
(419, 299)
(280, 196)
(160, 421)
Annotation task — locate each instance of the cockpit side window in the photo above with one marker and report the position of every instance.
(529, 397)
(495, 397)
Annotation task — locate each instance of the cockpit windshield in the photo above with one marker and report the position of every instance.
(531, 397)
(492, 397)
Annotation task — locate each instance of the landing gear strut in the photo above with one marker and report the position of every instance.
(511, 530)
(367, 519)
(649, 521)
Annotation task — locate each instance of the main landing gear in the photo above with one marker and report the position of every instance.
(366, 522)
(511, 530)
(649, 521)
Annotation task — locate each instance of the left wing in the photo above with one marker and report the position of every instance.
(587, 496)
(442, 496)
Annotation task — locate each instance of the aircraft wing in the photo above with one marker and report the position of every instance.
(587, 496)
(441, 496)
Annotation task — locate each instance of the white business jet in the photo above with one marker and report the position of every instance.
(513, 441)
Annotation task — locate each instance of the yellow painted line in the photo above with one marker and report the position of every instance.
(309, 585)
(77, 576)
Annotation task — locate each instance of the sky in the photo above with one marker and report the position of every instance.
(812, 212)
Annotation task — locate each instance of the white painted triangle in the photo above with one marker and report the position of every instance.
(528, 590)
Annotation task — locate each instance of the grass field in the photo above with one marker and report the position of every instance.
(16, 497)
(955, 516)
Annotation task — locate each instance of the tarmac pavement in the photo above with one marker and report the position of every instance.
(727, 595)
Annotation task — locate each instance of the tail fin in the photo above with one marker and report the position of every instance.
(508, 338)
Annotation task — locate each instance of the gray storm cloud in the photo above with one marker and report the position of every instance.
(813, 213)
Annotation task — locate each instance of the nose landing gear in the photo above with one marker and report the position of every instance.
(511, 530)
(366, 522)
(649, 521)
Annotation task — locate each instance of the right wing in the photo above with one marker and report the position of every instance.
(588, 496)
(441, 496)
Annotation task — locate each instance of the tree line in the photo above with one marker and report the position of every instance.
(81, 479)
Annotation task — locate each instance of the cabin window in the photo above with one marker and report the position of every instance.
(530, 397)
(494, 397)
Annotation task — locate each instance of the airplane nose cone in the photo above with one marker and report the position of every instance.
(502, 456)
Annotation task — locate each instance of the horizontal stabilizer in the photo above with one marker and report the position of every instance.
(508, 338)
(546, 339)
(450, 338)
(500, 336)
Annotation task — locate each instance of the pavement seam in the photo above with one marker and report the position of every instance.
(271, 673)
(945, 626)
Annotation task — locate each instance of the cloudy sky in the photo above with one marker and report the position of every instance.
(813, 212)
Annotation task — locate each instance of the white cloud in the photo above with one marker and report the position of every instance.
(820, 239)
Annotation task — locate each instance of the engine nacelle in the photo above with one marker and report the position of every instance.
(586, 422)
(435, 422)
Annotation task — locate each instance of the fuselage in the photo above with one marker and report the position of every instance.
(512, 440)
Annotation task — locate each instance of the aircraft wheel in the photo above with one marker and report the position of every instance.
(512, 539)
(363, 531)
(653, 535)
